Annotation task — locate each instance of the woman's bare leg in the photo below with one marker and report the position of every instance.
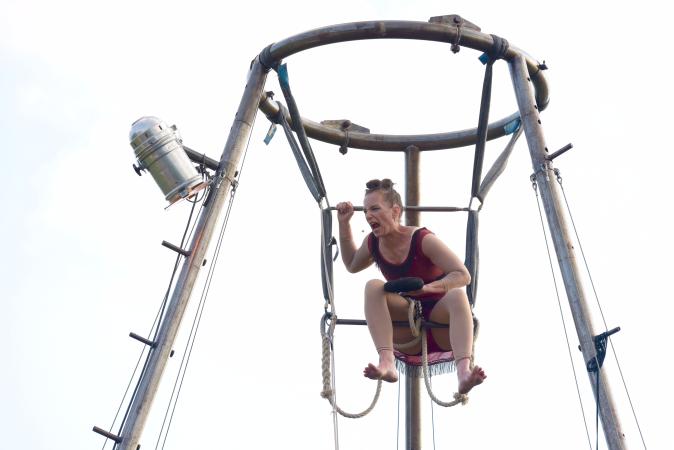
(454, 309)
(380, 306)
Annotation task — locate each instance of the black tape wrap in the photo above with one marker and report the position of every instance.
(266, 60)
(499, 48)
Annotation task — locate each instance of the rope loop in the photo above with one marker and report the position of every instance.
(458, 398)
(329, 393)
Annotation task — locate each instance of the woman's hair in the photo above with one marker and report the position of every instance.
(384, 186)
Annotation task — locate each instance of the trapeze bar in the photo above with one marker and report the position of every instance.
(419, 208)
(396, 323)
(145, 341)
(107, 434)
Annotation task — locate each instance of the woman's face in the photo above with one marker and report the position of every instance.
(380, 215)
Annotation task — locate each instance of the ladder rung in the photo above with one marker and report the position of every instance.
(107, 434)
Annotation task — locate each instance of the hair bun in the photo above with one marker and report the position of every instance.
(373, 184)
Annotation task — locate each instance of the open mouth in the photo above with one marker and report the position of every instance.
(374, 225)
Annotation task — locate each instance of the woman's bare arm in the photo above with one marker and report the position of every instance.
(457, 274)
(354, 258)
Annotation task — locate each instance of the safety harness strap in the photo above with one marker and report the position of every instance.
(298, 127)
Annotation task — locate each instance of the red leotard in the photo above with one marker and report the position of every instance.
(417, 264)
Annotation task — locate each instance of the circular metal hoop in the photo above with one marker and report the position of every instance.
(398, 30)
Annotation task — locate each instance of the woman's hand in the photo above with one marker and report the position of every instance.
(436, 287)
(344, 212)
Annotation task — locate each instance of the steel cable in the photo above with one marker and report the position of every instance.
(594, 290)
(561, 313)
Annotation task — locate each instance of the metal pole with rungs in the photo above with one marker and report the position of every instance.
(412, 383)
(229, 162)
(543, 173)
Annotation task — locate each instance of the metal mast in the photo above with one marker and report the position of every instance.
(225, 177)
(563, 246)
(412, 383)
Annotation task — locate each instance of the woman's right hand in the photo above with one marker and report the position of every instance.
(344, 212)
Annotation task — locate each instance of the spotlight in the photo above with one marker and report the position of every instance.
(159, 150)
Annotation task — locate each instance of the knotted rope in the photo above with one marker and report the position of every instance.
(458, 398)
(420, 333)
(328, 392)
(415, 324)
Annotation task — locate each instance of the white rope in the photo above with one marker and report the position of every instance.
(458, 398)
(329, 389)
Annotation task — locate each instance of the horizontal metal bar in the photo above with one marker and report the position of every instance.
(419, 208)
(143, 340)
(389, 142)
(175, 248)
(400, 29)
(396, 29)
(107, 434)
(396, 323)
(201, 158)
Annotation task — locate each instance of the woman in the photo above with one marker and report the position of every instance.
(401, 251)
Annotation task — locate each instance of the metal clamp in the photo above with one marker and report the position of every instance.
(600, 340)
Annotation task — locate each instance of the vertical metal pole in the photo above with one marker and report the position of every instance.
(151, 376)
(563, 246)
(412, 384)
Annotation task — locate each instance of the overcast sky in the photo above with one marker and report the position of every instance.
(83, 263)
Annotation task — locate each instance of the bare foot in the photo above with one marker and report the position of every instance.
(385, 371)
(469, 379)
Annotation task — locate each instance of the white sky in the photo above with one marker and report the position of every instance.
(83, 264)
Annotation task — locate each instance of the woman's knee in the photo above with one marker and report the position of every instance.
(455, 298)
(374, 287)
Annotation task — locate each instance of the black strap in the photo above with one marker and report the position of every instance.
(498, 51)
(327, 242)
(472, 262)
(298, 127)
(297, 153)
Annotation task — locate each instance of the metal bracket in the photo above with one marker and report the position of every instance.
(345, 124)
(139, 169)
(454, 20)
(457, 21)
(600, 340)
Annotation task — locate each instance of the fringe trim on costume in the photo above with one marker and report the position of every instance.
(414, 371)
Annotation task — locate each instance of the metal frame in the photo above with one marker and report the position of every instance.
(526, 73)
